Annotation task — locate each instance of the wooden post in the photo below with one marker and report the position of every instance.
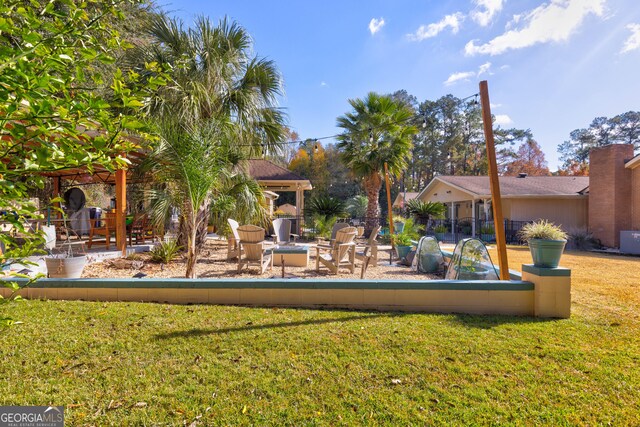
(121, 211)
(498, 222)
(386, 181)
(56, 193)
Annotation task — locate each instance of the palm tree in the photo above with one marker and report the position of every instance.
(357, 206)
(424, 211)
(218, 109)
(376, 132)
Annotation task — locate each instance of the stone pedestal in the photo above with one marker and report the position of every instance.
(552, 290)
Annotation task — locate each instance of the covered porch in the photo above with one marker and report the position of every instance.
(275, 178)
(82, 176)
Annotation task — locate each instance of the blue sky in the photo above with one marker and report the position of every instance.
(551, 66)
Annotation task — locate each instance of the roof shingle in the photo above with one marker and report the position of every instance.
(265, 170)
(529, 186)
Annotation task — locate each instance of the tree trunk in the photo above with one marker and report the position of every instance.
(192, 252)
(372, 185)
(196, 237)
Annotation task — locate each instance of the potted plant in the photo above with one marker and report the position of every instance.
(398, 223)
(440, 231)
(65, 264)
(546, 242)
(403, 241)
(488, 233)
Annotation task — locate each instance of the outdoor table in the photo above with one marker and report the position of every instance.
(293, 256)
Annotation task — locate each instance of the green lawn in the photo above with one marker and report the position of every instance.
(153, 364)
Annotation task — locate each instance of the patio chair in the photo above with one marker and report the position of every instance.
(340, 254)
(282, 231)
(141, 229)
(233, 249)
(370, 249)
(256, 249)
(103, 227)
(336, 227)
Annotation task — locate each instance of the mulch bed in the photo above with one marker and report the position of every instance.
(212, 263)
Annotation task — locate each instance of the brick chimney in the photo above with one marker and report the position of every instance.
(609, 192)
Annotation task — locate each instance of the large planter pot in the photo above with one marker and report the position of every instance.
(546, 253)
(488, 238)
(70, 268)
(402, 251)
(398, 227)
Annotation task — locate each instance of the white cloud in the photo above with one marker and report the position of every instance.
(492, 105)
(466, 75)
(484, 69)
(633, 42)
(502, 119)
(551, 22)
(376, 25)
(455, 77)
(324, 84)
(452, 21)
(485, 11)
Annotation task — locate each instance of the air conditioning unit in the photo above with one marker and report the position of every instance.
(630, 242)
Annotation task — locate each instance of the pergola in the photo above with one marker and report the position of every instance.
(101, 175)
(273, 177)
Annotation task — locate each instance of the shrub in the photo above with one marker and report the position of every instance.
(411, 231)
(542, 229)
(165, 252)
(326, 206)
(440, 228)
(582, 240)
(487, 229)
(324, 225)
(426, 210)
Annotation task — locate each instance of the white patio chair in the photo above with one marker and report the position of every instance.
(232, 242)
(282, 231)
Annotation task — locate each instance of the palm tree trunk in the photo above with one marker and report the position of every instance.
(196, 239)
(190, 234)
(372, 186)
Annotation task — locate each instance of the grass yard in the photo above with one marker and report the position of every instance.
(153, 364)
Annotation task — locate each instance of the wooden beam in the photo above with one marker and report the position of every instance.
(498, 220)
(121, 211)
(386, 181)
(56, 193)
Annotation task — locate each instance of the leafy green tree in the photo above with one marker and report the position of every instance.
(375, 132)
(621, 129)
(58, 109)
(218, 109)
